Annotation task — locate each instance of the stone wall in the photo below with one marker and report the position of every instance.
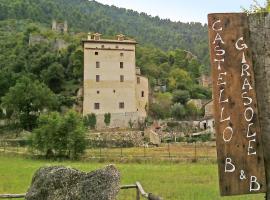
(118, 120)
(259, 27)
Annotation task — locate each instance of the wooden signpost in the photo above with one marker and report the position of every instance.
(239, 145)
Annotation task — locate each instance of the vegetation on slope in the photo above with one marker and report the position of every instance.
(85, 16)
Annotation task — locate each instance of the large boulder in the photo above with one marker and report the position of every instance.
(61, 183)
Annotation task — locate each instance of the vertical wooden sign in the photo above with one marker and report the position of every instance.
(239, 145)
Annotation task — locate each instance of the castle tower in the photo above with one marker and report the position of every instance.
(111, 84)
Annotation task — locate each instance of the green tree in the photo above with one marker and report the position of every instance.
(192, 111)
(178, 111)
(179, 79)
(199, 92)
(54, 77)
(74, 128)
(181, 96)
(161, 108)
(59, 136)
(27, 99)
(180, 60)
(194, 68)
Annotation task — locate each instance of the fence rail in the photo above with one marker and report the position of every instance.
(141, 192)
(12, 196)
(166, 151)
(137, 186)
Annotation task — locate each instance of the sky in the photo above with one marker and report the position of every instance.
(183, 10)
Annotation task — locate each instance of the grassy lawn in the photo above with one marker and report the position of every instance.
(184, 181)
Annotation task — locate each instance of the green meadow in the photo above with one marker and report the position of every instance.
(187, 181)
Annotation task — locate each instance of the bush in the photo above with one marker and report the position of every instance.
(90, 120)
(178, 111)
(192, 111)
(131, 124)
(107, 118)
(59, 136)
(157, 111)
(181, 96)
(205, 137)
(199, 92)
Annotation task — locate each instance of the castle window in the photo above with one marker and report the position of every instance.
(97, 78)
(98, 92)
(121, 105)
(116, 46)
(121, 65)
(142, 94)
(138, 80)
(121, 78)
(114, 91)
(96, 106)
(121, 54)
(102, 46)
(97, 64)
(96, 53)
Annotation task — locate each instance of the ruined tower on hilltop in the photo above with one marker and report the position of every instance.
(61, 27)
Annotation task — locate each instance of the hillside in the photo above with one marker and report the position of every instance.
(84, 15)
(31, 60)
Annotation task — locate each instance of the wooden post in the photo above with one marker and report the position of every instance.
(144, 152)
(259, 36)
(239, 143)
(169, 150)
(195, 153)
(121, 155)
(137, 194)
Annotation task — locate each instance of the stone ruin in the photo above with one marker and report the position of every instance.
(61, 183)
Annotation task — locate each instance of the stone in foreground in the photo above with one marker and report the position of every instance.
(61, 183)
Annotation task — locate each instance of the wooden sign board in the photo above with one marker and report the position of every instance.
(239, 145)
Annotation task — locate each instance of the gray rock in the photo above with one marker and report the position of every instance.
(61, 183)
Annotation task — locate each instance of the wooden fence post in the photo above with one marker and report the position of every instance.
(195, 153)
(259, 36)
(239, 136)
(137, 194)
(169, 150)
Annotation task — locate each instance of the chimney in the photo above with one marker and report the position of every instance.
(120, 37)
(138, 71)
(89, 36)
(96, 36)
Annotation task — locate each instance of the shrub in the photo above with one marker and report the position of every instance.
(90, 120)
(130, 123)
(178, 111)
(181, 96)
(192, 111)
(107, 118)
(59, 136)
(157, 111)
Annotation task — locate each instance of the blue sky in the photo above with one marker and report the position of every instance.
(182, 10)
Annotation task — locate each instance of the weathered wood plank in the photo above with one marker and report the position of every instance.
(239, 145)
(11, 196)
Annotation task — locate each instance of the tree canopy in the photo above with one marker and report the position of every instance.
(27, 99)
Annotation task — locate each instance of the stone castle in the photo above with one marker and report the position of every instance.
(112, 83)
(61, 27)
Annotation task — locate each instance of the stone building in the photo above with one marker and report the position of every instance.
(205, 81)
(61, 27)
(112, 83)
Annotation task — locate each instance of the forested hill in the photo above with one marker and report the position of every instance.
(84, 15)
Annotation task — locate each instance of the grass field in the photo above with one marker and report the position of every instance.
(185, 181)
(177, 152)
